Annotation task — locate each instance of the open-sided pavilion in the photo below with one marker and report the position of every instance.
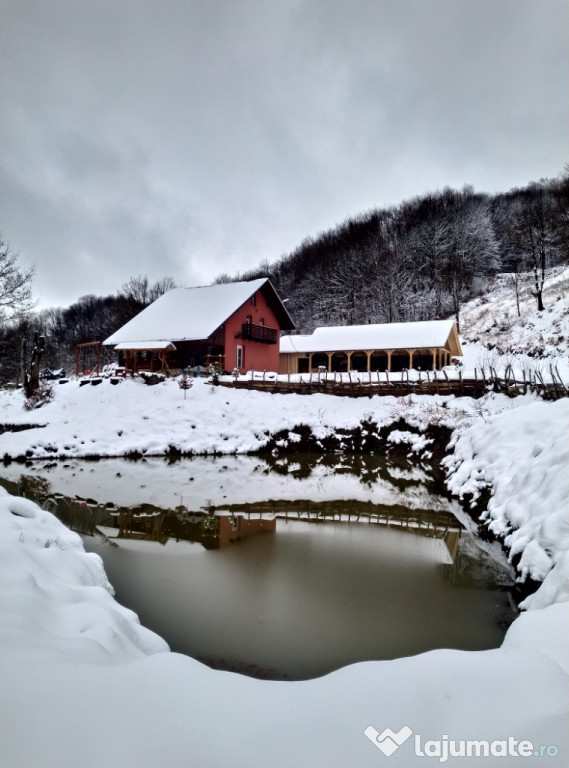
(392, 347)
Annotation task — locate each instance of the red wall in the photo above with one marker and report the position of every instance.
(258, 356)
(228, 534)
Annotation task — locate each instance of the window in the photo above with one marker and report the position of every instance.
(254, 300)
(240, 357)
(261, 321)
(249, 320)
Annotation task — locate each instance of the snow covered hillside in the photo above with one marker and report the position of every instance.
(493, 330)
(85, 686)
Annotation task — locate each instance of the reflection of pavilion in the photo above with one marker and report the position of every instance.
(436, 524)
(431, 524)
(217, 528)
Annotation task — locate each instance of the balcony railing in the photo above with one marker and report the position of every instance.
(261, 333)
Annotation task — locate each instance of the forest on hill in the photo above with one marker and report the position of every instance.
(423, 259)
(420, 260)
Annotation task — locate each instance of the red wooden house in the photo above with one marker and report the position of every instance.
(235, 324)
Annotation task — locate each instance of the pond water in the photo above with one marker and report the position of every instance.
(280, 570)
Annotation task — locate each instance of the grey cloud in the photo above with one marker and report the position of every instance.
(190, 138)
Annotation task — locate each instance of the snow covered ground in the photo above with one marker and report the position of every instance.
(84, 685)
(493, 319)
(107, 420)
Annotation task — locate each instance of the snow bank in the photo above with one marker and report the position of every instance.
(112, 420)
(523, 456)
(107, 420)
(84, 686)
(52, 588)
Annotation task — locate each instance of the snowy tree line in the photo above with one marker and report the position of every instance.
(420, 260)
(90, 318)
(423, 259)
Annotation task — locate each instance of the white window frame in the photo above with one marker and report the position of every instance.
(239, 356)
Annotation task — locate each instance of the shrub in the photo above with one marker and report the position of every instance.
(42, 395)
(152, 378)
(214, 370)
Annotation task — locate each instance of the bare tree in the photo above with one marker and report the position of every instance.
(137, 289)
(515, 281)
(31, 378)
(427, 246)
(161, 286)
(535, 235)
(224, 277)
(474, 250)
(561, 213)
(15, 284)
(345, 285)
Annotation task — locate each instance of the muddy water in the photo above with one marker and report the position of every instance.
(283, 573)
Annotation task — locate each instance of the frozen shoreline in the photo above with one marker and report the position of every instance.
(84, 685)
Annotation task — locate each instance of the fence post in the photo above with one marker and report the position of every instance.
(561, 382)
(448, 382)
(554, 380)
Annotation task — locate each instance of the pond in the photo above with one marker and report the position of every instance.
(281, 569)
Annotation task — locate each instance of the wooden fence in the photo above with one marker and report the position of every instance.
(549, 387)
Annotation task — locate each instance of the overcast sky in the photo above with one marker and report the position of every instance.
(193, 137)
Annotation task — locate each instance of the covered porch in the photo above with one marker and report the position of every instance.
(367, 361)
(151, 356)
(390, 347)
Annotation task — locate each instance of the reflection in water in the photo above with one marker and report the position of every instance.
(289, 588)
(305, 601)
(202, 481)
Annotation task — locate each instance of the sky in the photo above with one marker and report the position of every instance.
(188, 138)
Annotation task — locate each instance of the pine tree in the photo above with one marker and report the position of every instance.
(185, 383)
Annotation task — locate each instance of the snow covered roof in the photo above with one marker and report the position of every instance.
(420, 335)
(193, 313)
(145, 345)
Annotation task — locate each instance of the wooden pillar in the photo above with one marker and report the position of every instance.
(368, 353)
(434, 355)
(348, 360)
(389, 352)
(329, 361)
(410, 352)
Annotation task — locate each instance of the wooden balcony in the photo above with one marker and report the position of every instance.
(260, 333)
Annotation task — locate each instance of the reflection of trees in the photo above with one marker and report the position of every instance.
(36, 488)
(369, 469)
